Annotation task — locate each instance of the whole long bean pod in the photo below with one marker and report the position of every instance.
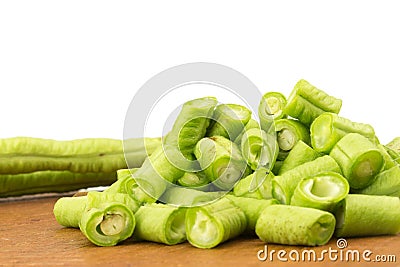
(259, 149)
(210, 225)
(252, 208)
(51, 181)
(186, 197)
(221, 160)
(328, 128)
(291, 225)
(26, 154)
(323, 191)
(359, 159)
(300, 154)
(256, 185)
(160, 223)
(229, 121)
(386, 183)
(289, 132)
(307, 102)
(271, 108)
(189, 127)
(284, 185)
(366, 215)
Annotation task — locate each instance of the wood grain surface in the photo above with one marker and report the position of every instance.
(30, 236)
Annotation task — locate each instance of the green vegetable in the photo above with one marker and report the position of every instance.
(189, 127)
(277, 166)
(229, 121)
(256, 185)
(259, 148)
(51, 181)
(394, 144)
(365, 215)
(300, 154)
(252, 208)
(328, 128)
(291, 225)
(194, 179)
(160, 223)
(284, 185)
(289, 132)
(359, 159)
(386, 182)
(221, 160)
(323, 191)
(306, 103)
(152, 177)
(271, 108)
(250, 125)
(179, 196)
(68, 210)
(26, 155)
(108, 224)
(210, 225)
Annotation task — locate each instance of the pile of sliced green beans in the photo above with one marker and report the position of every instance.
(299, 176)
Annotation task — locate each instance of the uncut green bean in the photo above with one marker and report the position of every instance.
(51, 181)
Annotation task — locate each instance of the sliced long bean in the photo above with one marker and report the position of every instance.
(256, 185)
(259, 149)
(386, 183)
(229, 121)
(300, 154)
(359, 159)
(328, 128)
(252, 208)
(394, 144)
(186, 197)
(366, 215)
(252, 123)
(271, 108)
(221, 160)
(210, 225)
(323, 191)
(189, 127)
(289, 132)
(307, 102)
(291, 225)
(284, 185)
(160, 223)
(194, 179)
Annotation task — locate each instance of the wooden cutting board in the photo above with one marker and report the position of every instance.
(30, 236)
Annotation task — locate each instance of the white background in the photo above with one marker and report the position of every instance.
(69, 69)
